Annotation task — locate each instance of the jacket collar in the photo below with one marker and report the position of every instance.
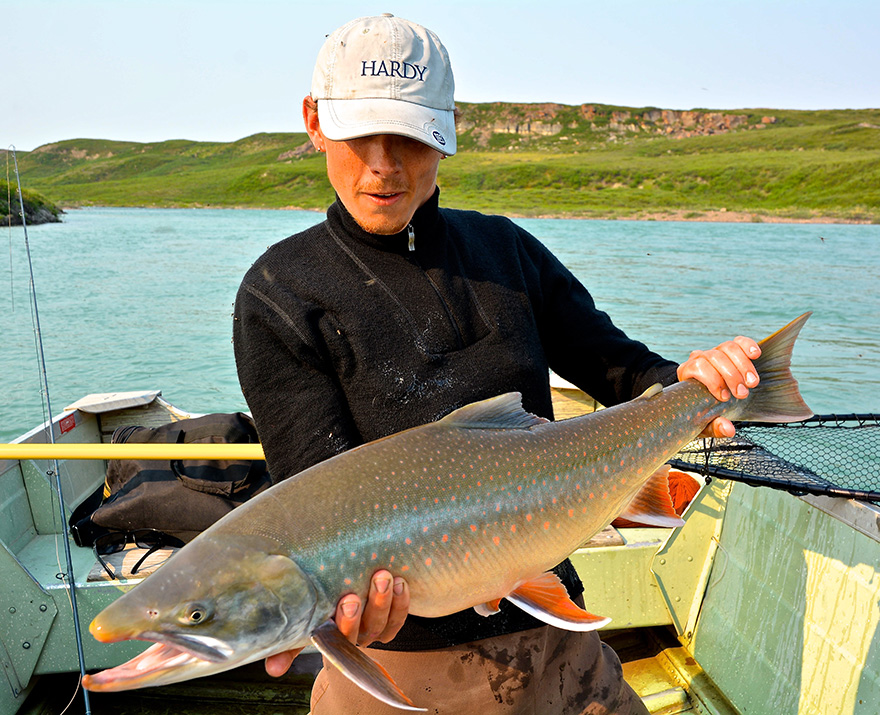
(423, 222)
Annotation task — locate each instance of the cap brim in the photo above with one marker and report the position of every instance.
(343, 119)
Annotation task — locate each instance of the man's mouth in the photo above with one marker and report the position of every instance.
(384, 199)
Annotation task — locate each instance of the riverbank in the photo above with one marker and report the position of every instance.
(719, 216)
(709, 216)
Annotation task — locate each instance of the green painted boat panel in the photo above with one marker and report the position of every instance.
(17, 525)
(618, 580)
(682, 567)
(789, 621)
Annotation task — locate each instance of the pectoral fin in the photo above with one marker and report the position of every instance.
(358, 668)
(652, 506)
(546, 599)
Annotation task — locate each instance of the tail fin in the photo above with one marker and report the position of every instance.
(777, 398)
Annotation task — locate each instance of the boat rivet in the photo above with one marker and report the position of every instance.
(662, 562)
(678, 598)
(25, 645)
(43, 607)
(690, 558)
(12, 609)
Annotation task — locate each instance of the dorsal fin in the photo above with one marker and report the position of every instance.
(652, 391)
(501, 412)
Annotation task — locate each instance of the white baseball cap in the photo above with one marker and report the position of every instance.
(385, 75)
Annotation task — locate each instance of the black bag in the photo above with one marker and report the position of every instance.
(180, 497)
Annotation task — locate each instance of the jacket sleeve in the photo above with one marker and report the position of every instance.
(300, 412)
(581, 342)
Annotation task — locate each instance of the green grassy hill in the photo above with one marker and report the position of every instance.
(523, 159)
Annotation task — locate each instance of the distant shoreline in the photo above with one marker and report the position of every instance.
(708, 216)
(712, 217)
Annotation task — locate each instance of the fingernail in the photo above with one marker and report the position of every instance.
(382, 584)
(725, 395)
(751, 378)
(350, 609)
(754, 350)
(742, 392)
(398, 586)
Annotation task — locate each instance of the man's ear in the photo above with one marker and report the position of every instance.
(313, 126)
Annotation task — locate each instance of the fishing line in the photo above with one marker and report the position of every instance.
(44, 380)
(9, 231)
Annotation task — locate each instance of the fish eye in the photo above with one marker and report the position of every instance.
(196, 613)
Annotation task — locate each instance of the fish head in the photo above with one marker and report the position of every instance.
(219, 603)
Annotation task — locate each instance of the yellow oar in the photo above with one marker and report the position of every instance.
(224, 450)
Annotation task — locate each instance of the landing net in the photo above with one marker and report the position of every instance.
(832, 455)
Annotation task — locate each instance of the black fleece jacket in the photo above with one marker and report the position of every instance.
(342, 337)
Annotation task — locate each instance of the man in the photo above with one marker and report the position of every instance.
(392, 313)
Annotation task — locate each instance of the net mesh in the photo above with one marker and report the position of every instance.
(833, 455)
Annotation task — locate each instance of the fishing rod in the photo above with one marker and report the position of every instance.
(44, 379)
(128, 450)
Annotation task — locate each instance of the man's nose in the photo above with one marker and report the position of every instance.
(384, 155)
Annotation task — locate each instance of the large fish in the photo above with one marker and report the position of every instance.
(470, 509)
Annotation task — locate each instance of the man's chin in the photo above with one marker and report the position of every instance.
(381, 225)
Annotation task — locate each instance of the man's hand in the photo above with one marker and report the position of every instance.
(380, 620)
(725, 371)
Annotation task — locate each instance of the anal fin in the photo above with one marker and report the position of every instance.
(490, 608)
(357, 667)
(546, 599)
(652, 505)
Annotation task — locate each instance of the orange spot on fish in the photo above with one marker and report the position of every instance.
(496, 540)
(408, 540)
(404, 568)
(528, 517)
(513, 528)
(375, 556)
(348, 582)
(445, 538)
(546, 525)
(571, 512)
(473, 527)
(428, 561)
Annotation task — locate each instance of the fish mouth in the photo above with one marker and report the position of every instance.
(171, 658)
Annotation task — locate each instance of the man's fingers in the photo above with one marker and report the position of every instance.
(378, 607)
(348, 616)
(278, 664)
(719, 427)
(726, 370)
(397, 614)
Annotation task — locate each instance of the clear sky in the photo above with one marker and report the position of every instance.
(218, 70)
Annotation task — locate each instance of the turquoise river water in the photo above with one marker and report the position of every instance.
(135, 299)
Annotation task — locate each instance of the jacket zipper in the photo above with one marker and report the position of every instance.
(411, 234)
